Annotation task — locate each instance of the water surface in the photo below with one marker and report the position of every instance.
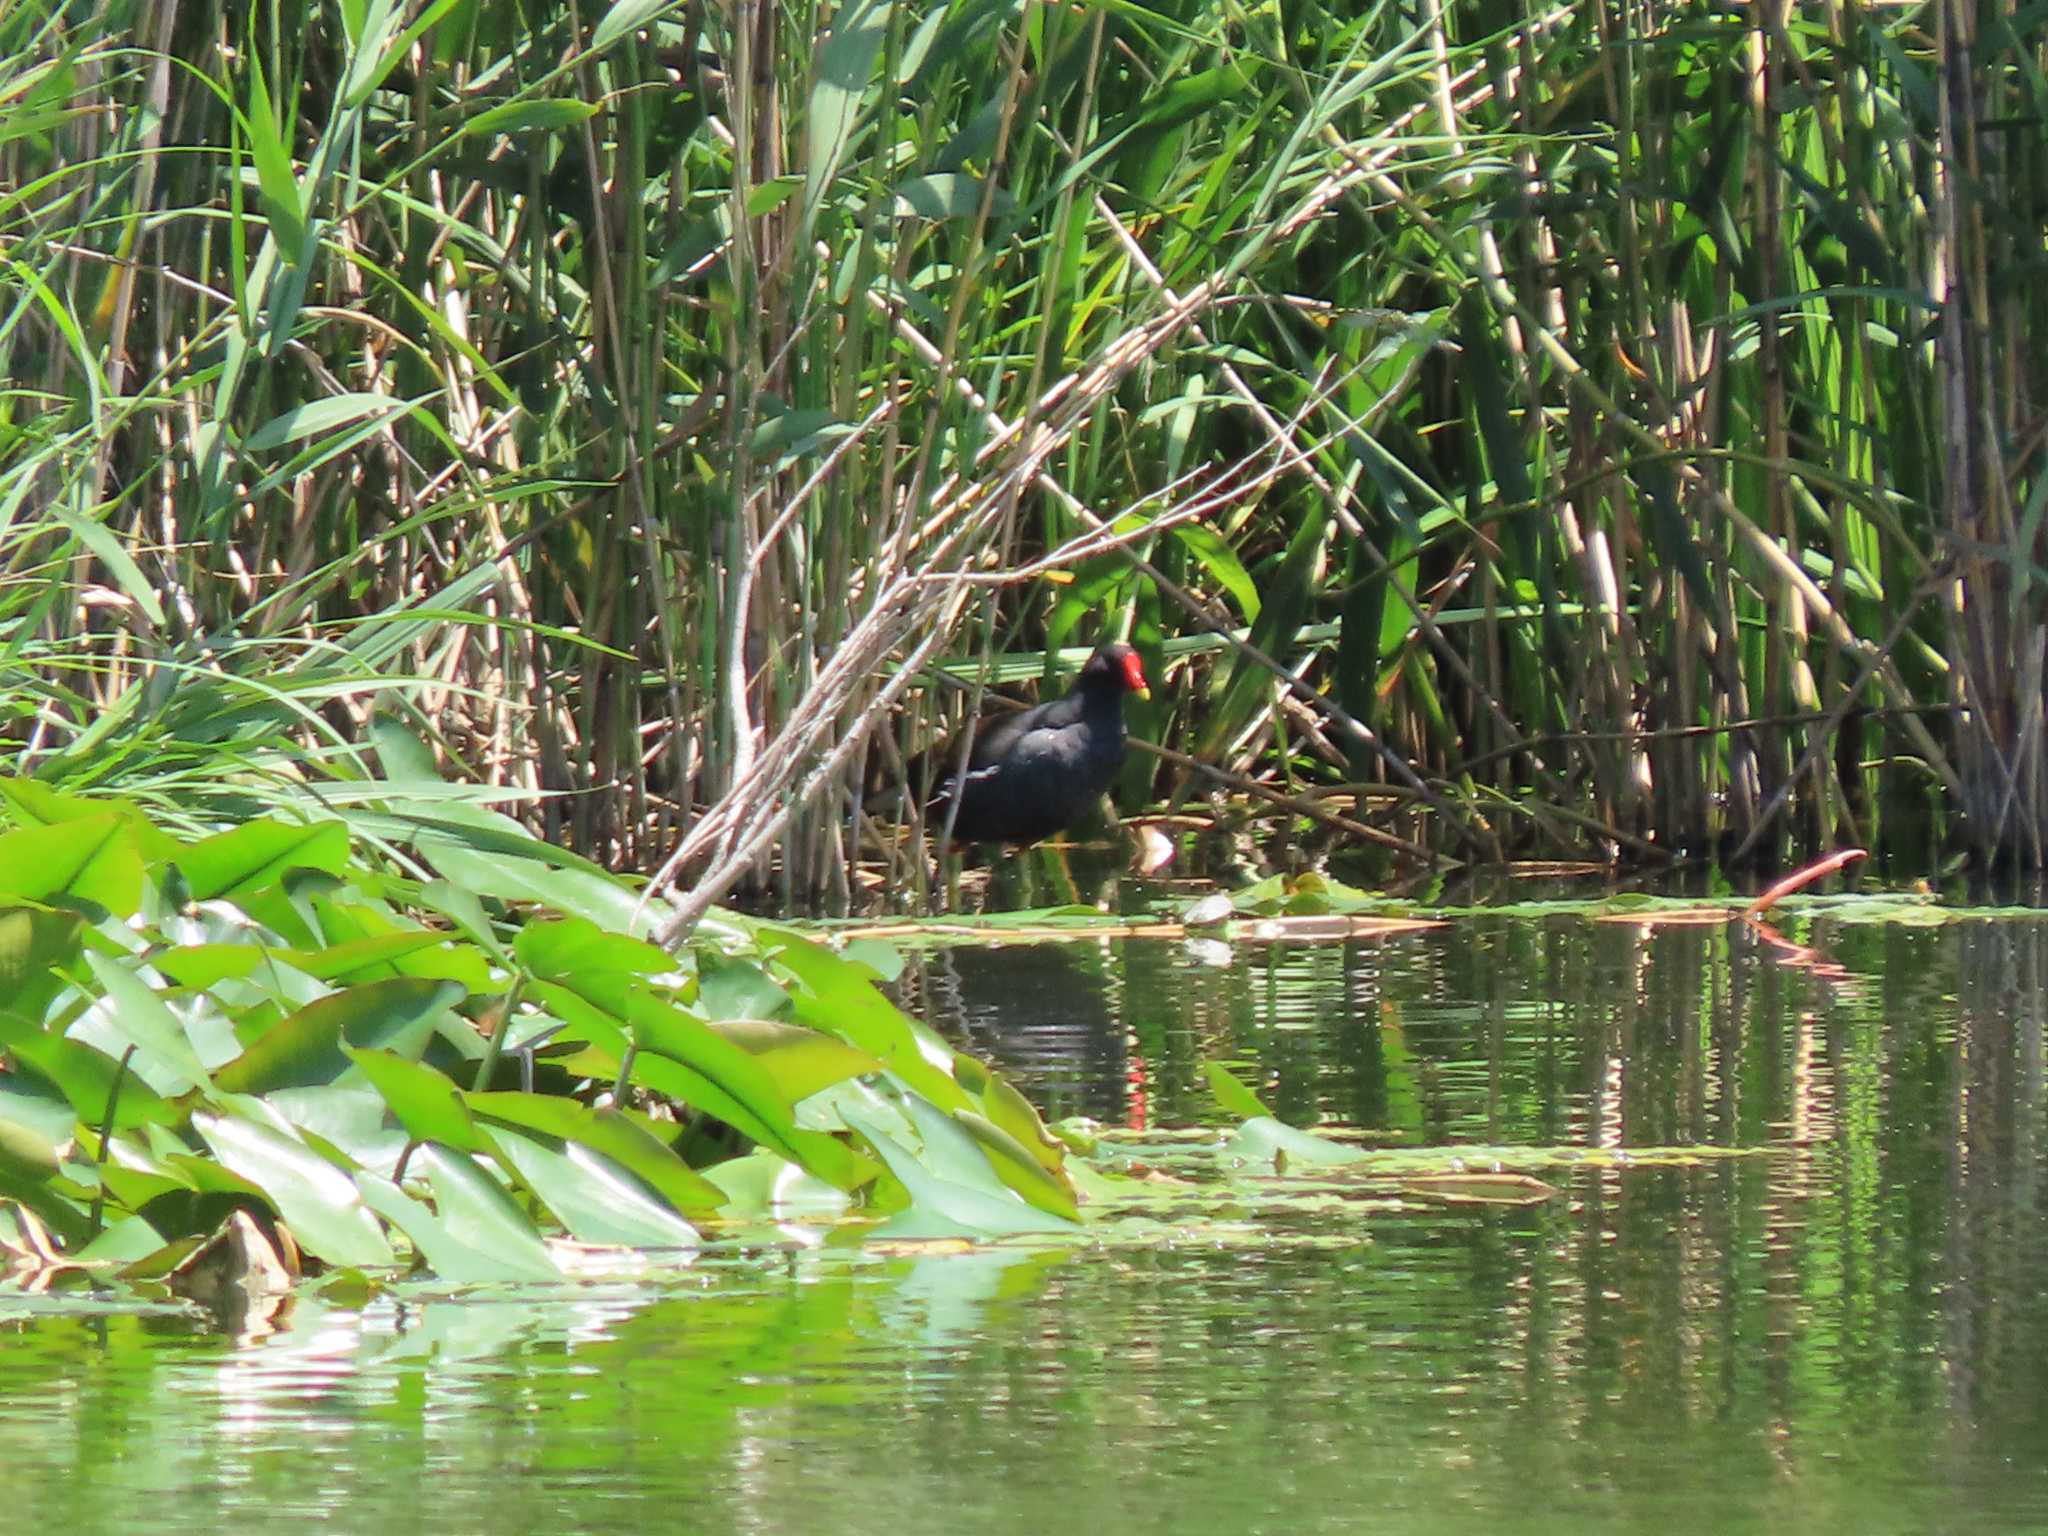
(1847, 1330)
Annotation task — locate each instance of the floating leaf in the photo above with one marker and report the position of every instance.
(1274, 1146)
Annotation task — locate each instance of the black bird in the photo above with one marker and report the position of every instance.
(1036, 772)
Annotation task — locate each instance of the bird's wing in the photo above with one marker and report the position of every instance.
(1048, 743)
(998, 738)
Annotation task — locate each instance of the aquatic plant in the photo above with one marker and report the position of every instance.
(445, 1051)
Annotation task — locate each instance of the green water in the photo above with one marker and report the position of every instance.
(1849, 1332)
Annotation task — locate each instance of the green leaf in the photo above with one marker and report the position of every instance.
(426, 1103)
(738, 989)
(593, 1197)
(462, 909)
(127, 1242)
(762, 1184)
(318, 417)
(1012, 1113)
(138, 1016)
(35, 804)
(26, 1150)
(1214, 554)
(970, 1203)
(388, 947)
(33, 943)
(516, 117)
(305, 1049)
(1234, 1097)
(317, 1200)
(783, 439)
(570, 947)
(724, 1080)
(282, 205)
(949, 196)
(373, 953)
(476, 1213)
(112, 553)
(199, 967)
(255, 856)
(1272, 1146)
(599, 898)
(1016, 1167)
(447, 1255)
(95, 860)
(801, 1061)
(846, 69)
(767, 196)
(604, 1131)
(347, 1123)
(837, 998)
(627, 16)
(87, 1079)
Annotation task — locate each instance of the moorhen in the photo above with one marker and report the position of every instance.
(1038, 771)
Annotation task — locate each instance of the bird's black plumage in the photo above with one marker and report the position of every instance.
(1038, 771)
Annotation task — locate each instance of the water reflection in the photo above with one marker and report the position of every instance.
(1847, 1330)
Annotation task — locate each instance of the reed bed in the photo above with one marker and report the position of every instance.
(1614, 427)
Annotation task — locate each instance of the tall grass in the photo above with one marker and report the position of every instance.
(1577, 417)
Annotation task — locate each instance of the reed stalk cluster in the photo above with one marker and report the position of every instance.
(1607, 426)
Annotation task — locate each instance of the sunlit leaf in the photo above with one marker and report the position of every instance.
(135, 1013)
(426, 1103)
(95, 860)
(247, 860)
(568, 948)
(522, 117)
(608, 1132)
(321, 416)
(1019, 1169)
(971, 1205)
(763, 1184)
(477, 1213)
(800, 1061)
(90, 1080)
(626, 16)
(597, 1200)
(837, 998)
(317, 1200)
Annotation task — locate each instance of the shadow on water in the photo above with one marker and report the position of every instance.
(1847, 1329)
